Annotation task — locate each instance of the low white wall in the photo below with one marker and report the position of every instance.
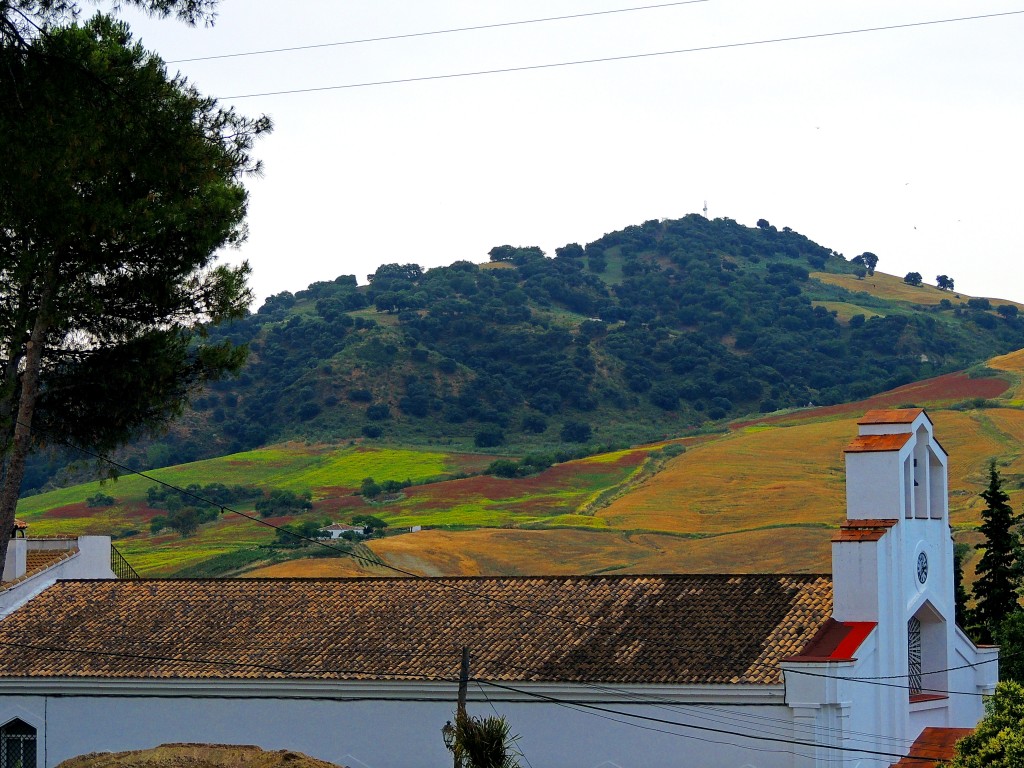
(91, 561)
(14, 565)
(403, 734)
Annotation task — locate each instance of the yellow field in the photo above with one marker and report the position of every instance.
(845, 310)
(1013, 365)
(893, 288)
(888, 287)
(471, 553)
(747, 480)
(1014, 361)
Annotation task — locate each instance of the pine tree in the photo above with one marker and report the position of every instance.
(119, 184)
(995, 590)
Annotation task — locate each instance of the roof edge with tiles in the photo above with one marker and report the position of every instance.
(892, 416)
(550, 629)
(863, 530)
(878, 443)
(835, 641)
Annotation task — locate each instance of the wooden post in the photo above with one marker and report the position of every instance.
(463, 680)
(461, 711)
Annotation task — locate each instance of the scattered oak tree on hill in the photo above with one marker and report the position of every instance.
(913, 278)
(118, 186)
(944, 282)
(868, 260)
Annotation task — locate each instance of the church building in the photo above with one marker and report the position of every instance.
(650, 671)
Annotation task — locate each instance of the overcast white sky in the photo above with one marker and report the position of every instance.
(907, 142)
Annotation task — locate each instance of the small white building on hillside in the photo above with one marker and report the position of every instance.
(729, 671)
(338, 530)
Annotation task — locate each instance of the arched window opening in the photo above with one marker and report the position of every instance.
(926, 654)
(914, 656)
(17, 745)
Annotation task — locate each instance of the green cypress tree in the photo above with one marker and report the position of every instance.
(995, 590)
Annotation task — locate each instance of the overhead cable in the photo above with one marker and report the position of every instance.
(474, 28)
(624, 57)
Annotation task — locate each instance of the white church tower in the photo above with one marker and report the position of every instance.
(892, 648)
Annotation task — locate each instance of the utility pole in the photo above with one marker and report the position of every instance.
(451, 733)
(463, 680)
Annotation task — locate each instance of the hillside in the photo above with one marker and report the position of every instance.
(762, 495)
(656, 330)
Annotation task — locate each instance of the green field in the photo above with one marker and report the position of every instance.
(324, 470)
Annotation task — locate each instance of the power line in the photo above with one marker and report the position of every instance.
(625, 57)
(413, 677)
(663, 721)
(474, 28)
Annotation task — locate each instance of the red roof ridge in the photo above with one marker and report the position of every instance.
(867, 529)
(868, 443)
(891, 416)
(835, 641)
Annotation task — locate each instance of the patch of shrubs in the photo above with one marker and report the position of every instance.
(280, 502)
(371, 489)
(489, 437)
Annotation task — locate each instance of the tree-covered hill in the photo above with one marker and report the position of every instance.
(653, 330)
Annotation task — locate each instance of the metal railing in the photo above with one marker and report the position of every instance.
(121, 567)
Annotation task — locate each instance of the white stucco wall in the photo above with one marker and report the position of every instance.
(406, 734)
(874, 485)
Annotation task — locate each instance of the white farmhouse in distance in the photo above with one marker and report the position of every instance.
(338, 530)
(719, 671)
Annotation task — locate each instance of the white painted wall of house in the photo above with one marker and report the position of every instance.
(403, 734)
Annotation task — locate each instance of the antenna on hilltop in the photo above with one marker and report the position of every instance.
(705, 209)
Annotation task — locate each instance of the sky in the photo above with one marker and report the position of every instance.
(904, 142)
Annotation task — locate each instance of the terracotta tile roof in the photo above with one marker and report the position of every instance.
(671, 629)
(891, 416)
(866, 443)
(863, 530)
(933, 747)
(37, 560)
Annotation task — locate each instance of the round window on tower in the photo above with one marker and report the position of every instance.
(922, 567)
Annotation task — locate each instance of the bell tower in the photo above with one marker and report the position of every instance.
(892, 560)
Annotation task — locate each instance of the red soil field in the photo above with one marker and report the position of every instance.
(948, 388)
(558, 477)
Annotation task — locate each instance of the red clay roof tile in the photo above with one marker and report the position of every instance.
(863, 530)
(891, 416)
(693, 629)
(867, 443)
(933, 747)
